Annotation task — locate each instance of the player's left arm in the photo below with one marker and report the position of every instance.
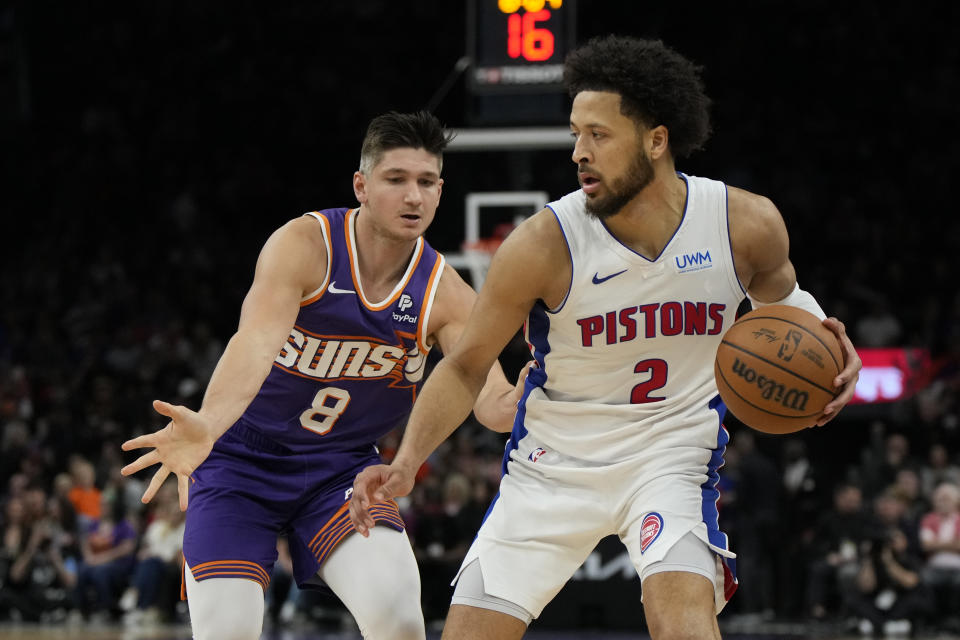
(496, 405)
(761, 252)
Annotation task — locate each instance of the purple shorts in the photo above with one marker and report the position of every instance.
(251, 489)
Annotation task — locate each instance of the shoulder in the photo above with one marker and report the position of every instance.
(758, 235)
(296, 252)
(751, 211)
(302, 234)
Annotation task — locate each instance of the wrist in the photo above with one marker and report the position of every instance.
(406, 465)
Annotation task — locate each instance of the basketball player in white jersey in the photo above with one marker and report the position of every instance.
(627, 286)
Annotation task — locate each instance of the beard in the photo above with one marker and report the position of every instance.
(622, 189)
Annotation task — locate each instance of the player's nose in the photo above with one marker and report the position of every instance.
(412, 195)
(580, 152)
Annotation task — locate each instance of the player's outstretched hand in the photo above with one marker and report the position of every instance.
(373, 485)
(846, 380)
(179, 447)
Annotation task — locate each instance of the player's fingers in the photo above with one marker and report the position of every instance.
(155, 483)
(147, 440)
(142, 462)
(527, 368)
(361, 489)
(172, 411)
(183, 490)
(360, 518)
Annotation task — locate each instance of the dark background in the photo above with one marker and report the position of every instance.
(147, 150)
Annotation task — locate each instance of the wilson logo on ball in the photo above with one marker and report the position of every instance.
(770, 389)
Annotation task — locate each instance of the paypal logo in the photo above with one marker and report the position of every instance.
(405, 302)
(693, 261)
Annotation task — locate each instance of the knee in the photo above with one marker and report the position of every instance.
(234, 627)
(397, 627)
(399, 618)
(683, 633)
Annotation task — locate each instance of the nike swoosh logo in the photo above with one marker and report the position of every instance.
(333, 288)
(598, 280)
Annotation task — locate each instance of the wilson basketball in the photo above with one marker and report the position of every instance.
(775, 368)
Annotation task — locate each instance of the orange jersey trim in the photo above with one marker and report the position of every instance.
(348, 230)
(425, 307)
(339, 526)
(231, 568)
(325, 229)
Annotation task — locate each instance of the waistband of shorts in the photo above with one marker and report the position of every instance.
(248, 434)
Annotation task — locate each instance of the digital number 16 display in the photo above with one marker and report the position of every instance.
(525, 39)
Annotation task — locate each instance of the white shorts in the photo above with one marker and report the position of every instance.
(552, 511)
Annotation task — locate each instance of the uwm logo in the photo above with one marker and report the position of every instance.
(770, 389)
(693, 261)
(348, 357)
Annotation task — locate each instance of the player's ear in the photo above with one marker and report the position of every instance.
(658, 140)
(360, 187)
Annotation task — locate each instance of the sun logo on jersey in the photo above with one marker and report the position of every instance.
(650, 529)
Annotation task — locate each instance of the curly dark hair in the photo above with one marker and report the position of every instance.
(394, 130)
(656, 85)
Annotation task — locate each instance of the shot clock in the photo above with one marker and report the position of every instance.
(518, 46)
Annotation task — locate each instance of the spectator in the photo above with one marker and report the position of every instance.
(938, 470)
(107, 548)
(887, 593)
(443, 534)
(940, 541)
(39, 570)
(85, 497)
(155, 585)
(835, 561)
(758, 518)
(879, 470)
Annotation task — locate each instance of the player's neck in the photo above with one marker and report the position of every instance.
(648, 221)
(382, 258)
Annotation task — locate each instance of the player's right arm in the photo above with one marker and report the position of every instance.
(529, 266)
(292, 263)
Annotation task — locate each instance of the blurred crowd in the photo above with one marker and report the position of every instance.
(142, 178)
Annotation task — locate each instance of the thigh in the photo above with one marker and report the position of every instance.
(240, 500)
(378, 581)
(678, 604)
(470, 623)
(322, 521)
(661, 513)
(536, 534)
(230, 535)
(224, 608)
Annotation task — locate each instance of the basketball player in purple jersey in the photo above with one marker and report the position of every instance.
(328, 356)
(628, 285)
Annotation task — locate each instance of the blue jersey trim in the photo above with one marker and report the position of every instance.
(709, 492)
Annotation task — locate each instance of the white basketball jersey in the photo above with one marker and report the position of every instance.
(627, 358)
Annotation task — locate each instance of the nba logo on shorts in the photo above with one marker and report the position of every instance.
(536, 453)
(650, 530)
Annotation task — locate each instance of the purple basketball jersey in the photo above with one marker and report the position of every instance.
(348, 374)
(351, 368)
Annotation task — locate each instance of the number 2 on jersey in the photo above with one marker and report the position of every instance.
(321, 415)
(658, 378)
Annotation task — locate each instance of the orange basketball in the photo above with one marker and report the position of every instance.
(775, 368)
